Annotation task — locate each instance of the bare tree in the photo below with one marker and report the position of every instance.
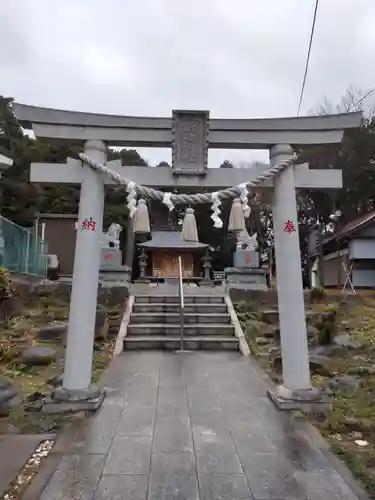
(246, 164)
(354, 99)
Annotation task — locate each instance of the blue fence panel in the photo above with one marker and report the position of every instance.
(21, 250)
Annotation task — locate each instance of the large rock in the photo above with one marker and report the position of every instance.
(312, 332)
(9, 307)
(262, 341)
(319, 364)
(9, 395)
(345, 340)
(101, 325)
(345, 383)
(54, 331)
(270, 332)
(56, 381)
(36, 355)
(361, 370)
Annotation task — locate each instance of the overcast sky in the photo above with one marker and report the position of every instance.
(235, 58)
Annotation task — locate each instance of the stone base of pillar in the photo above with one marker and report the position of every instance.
(309, 400)
(73, 401)
(205, 282)
(246, 278)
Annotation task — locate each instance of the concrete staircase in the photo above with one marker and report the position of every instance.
(155, 323)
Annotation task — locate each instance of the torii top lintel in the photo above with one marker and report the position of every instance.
(127, 131)
(190, 134)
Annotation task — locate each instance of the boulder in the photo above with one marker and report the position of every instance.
(361, 370)
(312, 332)
(322, 350)
(270, 332)
(9, 395)
(319, 364)
(54, 331)
(345, 340)
(9, 307)
(274, 351)
(345, 383)
(56, 381)
(36, 355)
(101, 325)
(262, 341)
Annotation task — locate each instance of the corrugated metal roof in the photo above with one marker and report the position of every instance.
(352, 227)
(356, 224)
(171, 239)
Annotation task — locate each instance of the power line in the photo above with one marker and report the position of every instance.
(354, 105)
(308, 57)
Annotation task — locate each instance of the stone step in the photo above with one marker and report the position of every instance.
(140, 308)
(189, 318)
(193, 343)
(175, 299)
(163, 329)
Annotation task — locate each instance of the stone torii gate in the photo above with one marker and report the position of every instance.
(190, 134)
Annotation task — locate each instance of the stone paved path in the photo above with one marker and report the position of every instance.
(188, 427)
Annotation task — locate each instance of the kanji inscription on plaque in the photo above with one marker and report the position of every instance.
(190, 142)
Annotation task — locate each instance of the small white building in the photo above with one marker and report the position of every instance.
(349, 253)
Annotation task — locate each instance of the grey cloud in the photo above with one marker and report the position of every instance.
(242, 58)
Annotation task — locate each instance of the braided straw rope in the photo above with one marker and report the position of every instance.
(188, 199)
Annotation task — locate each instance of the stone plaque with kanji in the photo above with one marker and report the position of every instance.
(246, 258)
(190, 142)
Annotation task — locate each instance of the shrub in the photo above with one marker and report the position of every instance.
(317, 293)
(6, 288)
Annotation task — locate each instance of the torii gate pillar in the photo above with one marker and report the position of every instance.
(77, 389)
(296, 386)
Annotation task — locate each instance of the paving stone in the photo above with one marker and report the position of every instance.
(269, 477)
(107, 414)
(137, 421)
(172, 436)
(129, 455)
(224, 487)
(323, 486)
(125, 487)
(93, 439)
(141, 397)
(168, 417)
(171, 395)
(75, 477)
(253, 444)
(175, 409)
(209, 422)
(173, 477)
(216, 454)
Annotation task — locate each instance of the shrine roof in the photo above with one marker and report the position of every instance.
(353, 226)
(171, 240)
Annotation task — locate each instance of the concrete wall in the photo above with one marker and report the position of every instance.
(60, 236)
(362, 248)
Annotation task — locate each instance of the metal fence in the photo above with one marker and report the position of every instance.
(21, 250)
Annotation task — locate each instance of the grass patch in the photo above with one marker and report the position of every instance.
(21, 331)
